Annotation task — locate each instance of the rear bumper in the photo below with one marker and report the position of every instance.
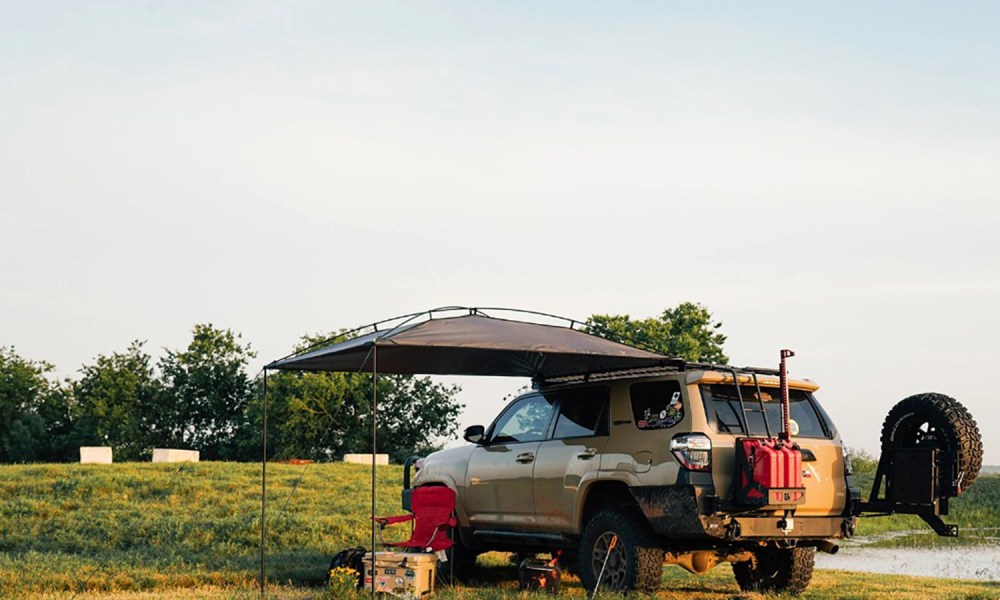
(692, 511)
(768, 528)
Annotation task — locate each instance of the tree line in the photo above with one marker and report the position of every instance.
(202, 397)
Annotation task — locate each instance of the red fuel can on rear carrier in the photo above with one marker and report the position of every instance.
(770, 473)
(793, 465)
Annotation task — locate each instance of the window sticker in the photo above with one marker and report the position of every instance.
(657, 404)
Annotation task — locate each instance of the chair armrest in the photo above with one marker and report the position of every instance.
(383, 521)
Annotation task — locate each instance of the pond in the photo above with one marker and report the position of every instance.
(981, 563)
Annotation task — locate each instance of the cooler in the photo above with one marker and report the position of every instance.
(401, 573)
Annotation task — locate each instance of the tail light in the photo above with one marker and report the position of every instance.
(693, 451)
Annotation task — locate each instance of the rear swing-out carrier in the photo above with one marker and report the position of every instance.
(917, 479)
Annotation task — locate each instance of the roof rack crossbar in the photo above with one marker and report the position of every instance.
(673, 366)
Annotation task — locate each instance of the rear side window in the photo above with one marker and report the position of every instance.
(725, 402)
(582, 412)
(656, 404)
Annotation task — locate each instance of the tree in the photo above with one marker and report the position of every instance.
(687, 331)
(115, 398)
(326, 415)
(57, 410)
(413, 413)
(24, 387)
(206, 392)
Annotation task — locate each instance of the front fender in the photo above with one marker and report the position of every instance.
(448, 468)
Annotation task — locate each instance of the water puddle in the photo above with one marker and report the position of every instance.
(981, 563)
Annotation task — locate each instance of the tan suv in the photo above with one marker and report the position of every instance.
(624, 472)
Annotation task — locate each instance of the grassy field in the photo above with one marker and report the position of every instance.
(192, 531)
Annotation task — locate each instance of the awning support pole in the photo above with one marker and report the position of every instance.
(263, 490)
(374, 450)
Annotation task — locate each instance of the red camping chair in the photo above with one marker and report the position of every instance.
(432, 509)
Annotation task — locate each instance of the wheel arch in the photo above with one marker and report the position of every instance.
(445, 481)
(601, 494)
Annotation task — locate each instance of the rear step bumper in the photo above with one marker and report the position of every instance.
(691, 511)
(742, 528)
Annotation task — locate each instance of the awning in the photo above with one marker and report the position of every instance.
(476, 344)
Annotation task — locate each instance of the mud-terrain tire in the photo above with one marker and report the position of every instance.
(636, 561)
(776, 570)
(936, 419)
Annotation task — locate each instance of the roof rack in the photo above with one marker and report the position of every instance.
(674, 366)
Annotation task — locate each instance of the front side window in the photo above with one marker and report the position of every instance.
(726, 404)
(582, 412)
(525, 421)
(656, 404)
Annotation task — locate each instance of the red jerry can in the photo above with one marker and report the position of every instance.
(767, 464)
(781, 463)
(794, 466)
(756, 464)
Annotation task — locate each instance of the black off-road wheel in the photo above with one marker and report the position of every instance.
(776, 570)
(935, 420)
(634, 563)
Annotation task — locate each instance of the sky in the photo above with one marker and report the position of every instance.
(822, 178)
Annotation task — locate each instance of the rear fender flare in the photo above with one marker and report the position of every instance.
(611, 491)
(586, 483)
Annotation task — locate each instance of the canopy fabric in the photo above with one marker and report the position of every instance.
(476, 344)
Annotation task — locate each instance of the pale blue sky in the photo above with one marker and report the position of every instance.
(824, 178)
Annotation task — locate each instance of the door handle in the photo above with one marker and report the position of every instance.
(587, 453)
(526, 457)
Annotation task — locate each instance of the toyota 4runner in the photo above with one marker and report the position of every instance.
(693, 465)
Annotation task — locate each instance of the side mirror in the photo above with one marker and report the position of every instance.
(475, 434)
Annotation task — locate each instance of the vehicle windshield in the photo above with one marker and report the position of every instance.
(724, 401)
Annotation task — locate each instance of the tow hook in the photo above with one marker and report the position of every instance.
(847, 527)
(733, 530)
(786, 524)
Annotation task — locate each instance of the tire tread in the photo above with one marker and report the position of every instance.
(956, 423)
(777, 570)
(632, 529)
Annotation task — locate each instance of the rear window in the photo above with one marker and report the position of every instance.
(583, 412)
(656, 404)
(723, 400)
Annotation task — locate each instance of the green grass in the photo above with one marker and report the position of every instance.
(677, 585)
(149, 526)
(141, 531)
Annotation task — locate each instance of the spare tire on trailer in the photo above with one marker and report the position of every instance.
(936, 420)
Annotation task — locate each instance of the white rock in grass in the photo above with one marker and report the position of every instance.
(366, 459)
(172, 455)
(95, 455)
